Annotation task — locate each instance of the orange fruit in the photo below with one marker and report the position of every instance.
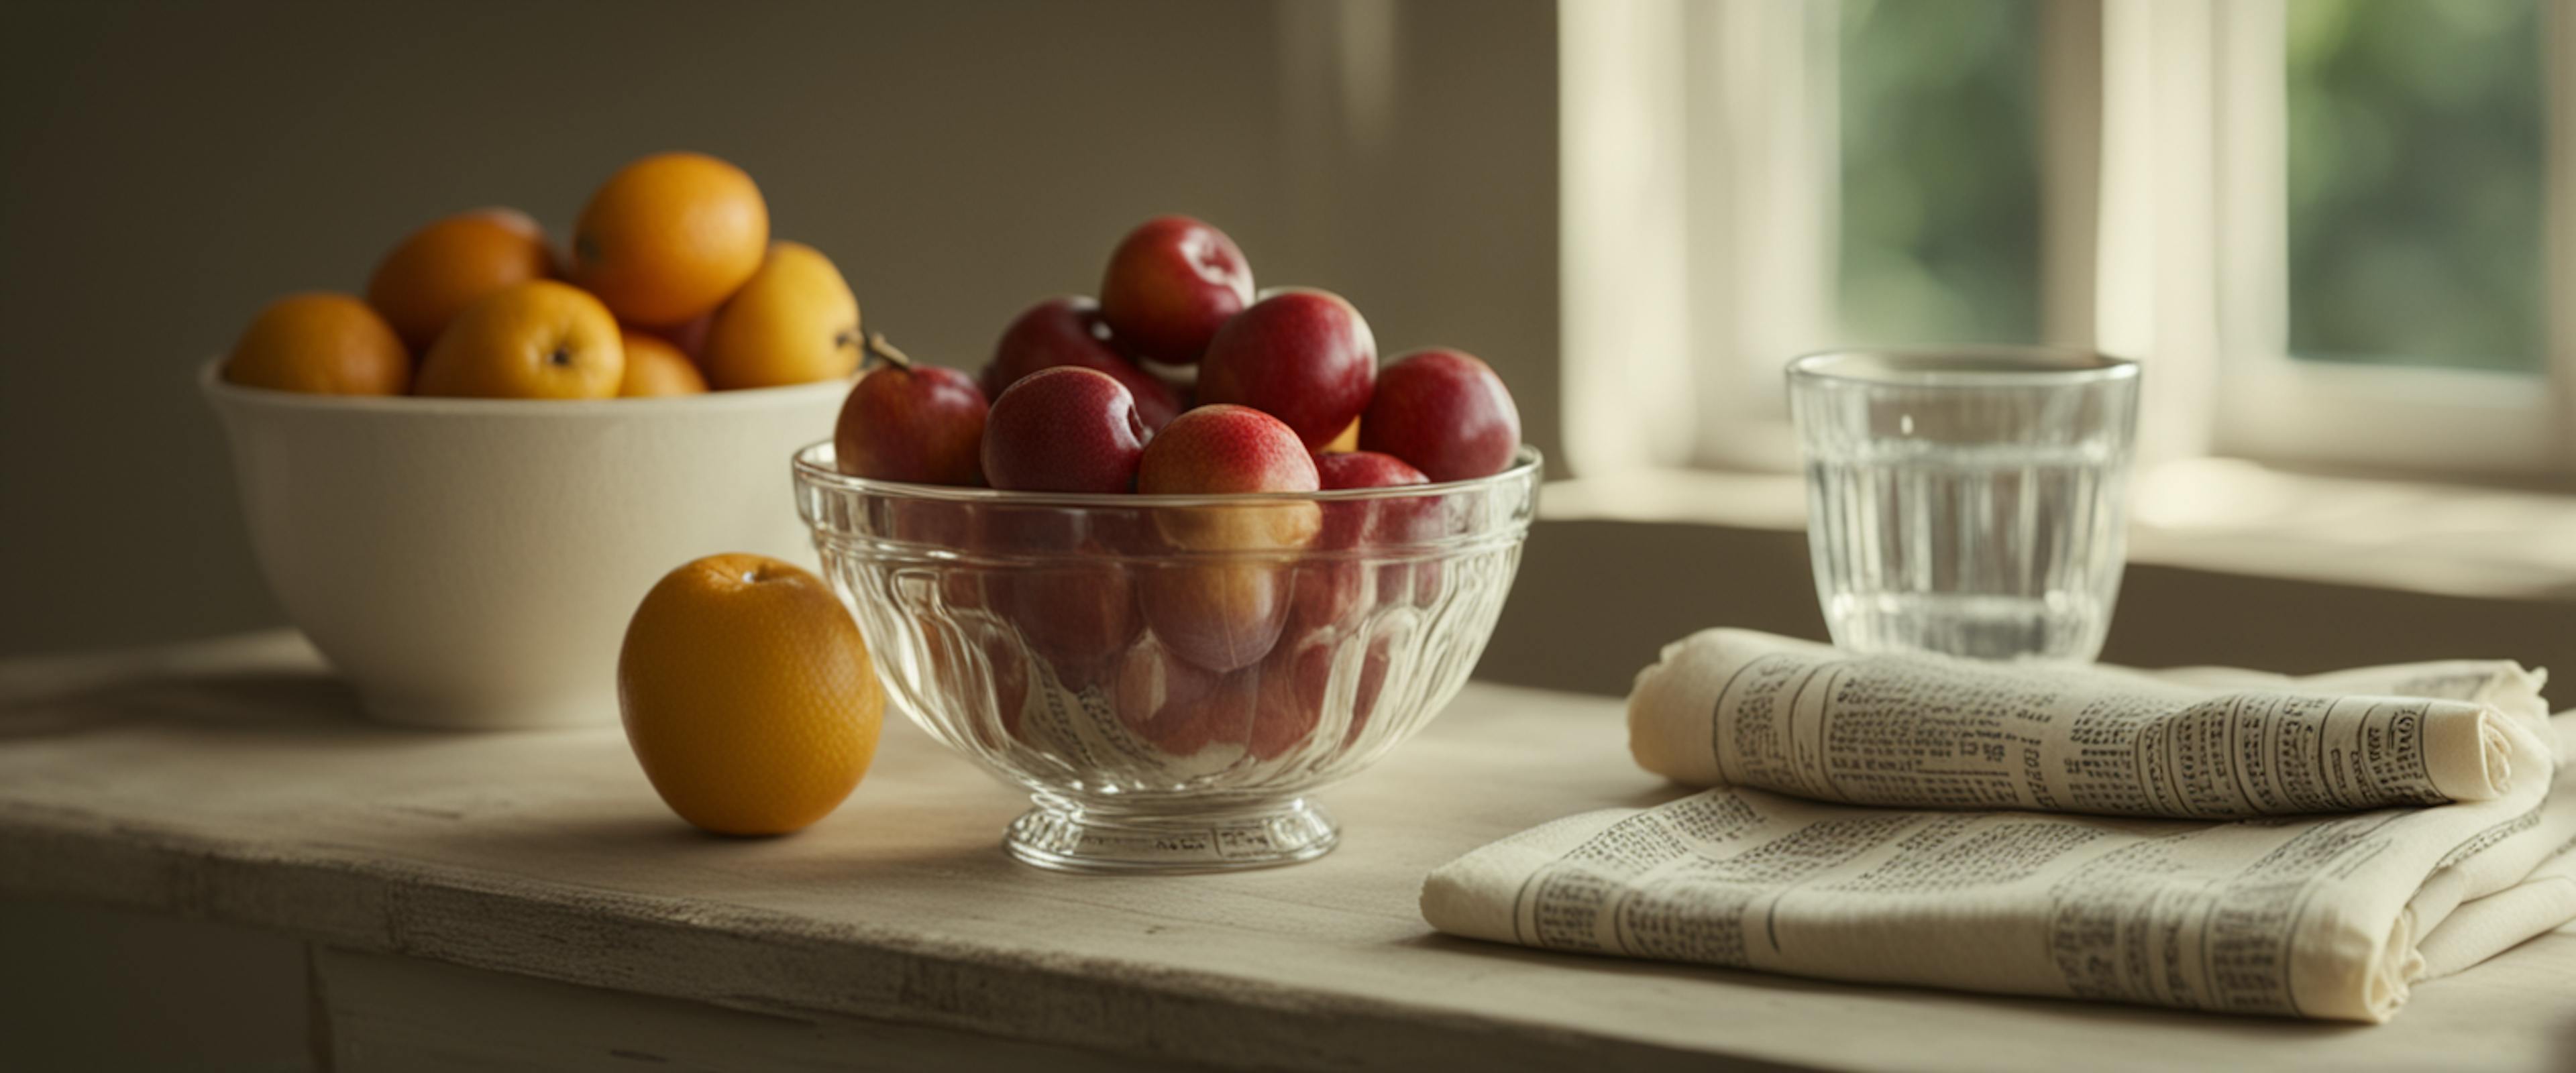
(655, 367)
(321, 344)
(442, 268)
(669, 236)
(748, 695)
(535, 340)
(793, 322)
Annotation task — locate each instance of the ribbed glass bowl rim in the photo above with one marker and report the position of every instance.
(811, 472)
(1938, 367)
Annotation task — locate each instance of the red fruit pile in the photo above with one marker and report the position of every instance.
(1178, 381)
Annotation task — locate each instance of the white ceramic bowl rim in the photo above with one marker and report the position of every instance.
(210, 378)
(811, 469)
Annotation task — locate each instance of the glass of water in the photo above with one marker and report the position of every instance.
(1967, 501)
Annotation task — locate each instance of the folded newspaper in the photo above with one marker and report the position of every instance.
(2205, 839)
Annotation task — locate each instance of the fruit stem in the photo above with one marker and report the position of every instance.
(878, 346)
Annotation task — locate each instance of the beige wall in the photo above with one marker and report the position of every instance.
(166, 168)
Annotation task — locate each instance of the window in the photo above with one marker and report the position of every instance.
(1939, 211)
(2330, 227)
(2415, 165)
(2383, 203)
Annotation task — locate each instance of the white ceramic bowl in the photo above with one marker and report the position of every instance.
(471, 563)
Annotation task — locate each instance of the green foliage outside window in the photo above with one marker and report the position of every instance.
(1940, 173)
(2415, 177)
(2415, 182)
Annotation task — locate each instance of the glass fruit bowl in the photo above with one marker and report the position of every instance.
(1170, 676)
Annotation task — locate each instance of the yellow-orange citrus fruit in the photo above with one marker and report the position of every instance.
(793, 322)
(748, 695)
(444, 267)
(655, 367)
(669, 236)
(535, 340)
(321, 344)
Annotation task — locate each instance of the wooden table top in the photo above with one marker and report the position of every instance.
(233, 781)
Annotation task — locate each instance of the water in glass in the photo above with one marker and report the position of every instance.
(1967, 504)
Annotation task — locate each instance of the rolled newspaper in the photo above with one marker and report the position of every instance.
(2331, 916)
(1738, 708)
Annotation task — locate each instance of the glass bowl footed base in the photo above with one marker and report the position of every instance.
(1064, 836)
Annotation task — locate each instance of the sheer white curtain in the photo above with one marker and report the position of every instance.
(1697, 228)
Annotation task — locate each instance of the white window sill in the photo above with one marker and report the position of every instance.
(2218, 515)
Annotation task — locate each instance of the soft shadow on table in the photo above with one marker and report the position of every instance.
(1658, 794)
(258, 701)
(656, 831)
(2088, 1013)
(646, 831)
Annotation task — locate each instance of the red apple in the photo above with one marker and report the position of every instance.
(1446, 413)
(1219, 615)
(1294, 681)
(1223, 716)
(1064, 430)
(1167, 700)
(1078, 616)
(1230, 450)
(1303, 356)
(1150, 679)
(1398, 528)
(1225, 609)
(1329, 589)
(918, 423)
(1365, 469)
(1045, 570)
(1171, 284)
(1217, 451)
(1325, 594)
(940, 525)
(1069, 331)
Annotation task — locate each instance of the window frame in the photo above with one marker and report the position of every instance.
(2272, 406)
(2164, 184)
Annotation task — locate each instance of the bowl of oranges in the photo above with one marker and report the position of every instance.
(457, 483)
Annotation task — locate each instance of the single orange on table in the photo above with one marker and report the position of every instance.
(793, 322)
(748, 695)
(440, 269)
(655, 367)
(535, 340)
(669, 236)
(321, 344)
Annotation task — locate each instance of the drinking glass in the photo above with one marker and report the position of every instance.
(1967, 501)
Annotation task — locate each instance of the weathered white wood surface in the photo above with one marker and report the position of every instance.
(388, 1014)
(234, 782)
